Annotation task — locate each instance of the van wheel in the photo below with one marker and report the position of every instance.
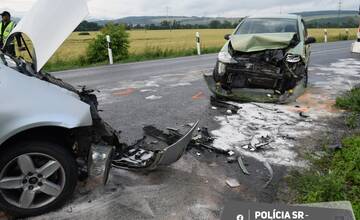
(35, 177)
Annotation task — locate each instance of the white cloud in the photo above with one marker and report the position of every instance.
(235, 8)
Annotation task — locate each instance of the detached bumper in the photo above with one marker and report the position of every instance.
(253, 95)
(139, 158)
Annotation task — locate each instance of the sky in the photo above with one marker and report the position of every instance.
(110, 9)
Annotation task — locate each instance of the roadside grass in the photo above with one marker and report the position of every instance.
(334, 176)
(157, 44)
(149, 54)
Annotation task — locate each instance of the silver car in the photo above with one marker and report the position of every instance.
(51, 134)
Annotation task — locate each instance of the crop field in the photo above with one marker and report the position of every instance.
(176, 40)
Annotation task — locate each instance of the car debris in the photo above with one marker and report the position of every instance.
(304, 114)
(271, 173)
(265, 63)
(233, 183)
(242, 165)
(260, 140)
(223, 104)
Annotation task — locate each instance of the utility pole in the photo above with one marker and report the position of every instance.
(339, 12)
(167, 16)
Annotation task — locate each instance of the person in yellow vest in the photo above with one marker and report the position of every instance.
(6, 26)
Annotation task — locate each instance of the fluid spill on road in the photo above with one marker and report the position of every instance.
(283, 123)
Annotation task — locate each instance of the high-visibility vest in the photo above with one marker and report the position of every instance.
(7, 31)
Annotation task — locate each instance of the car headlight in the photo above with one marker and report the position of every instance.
(225, 57)
(292, 58)
(221, 68)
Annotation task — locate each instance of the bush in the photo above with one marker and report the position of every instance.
(333, 177)
(350, 101)
(97, 49)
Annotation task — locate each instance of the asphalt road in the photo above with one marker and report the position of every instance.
(172, 93)
(184, 95)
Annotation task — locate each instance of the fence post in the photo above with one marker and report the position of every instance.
(325, 35)
(111, 60)
(198, 43)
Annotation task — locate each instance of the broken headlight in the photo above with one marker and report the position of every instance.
(225, 57)
(221, 68)
(292, 58)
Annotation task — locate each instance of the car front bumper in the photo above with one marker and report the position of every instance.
(253, 95)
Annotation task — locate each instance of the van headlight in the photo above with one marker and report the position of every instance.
(225, 57)
(292, 58)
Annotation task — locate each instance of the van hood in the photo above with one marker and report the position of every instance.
(48, 24)
(259, 42)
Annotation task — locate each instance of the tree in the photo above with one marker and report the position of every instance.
(97, 49)
(227, 24)
(214, 24)
(88, 26)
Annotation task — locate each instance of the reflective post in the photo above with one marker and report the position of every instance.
(325, 35)
(111, 60)
(198, 42)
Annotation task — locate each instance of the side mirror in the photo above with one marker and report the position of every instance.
(310, 40)
(227, 36)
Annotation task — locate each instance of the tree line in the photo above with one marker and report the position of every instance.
(344, 22)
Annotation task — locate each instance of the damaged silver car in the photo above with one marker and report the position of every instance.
(51, 134)
(266, 59)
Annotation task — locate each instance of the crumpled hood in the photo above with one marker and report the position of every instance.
(48, 24)
(259, 42)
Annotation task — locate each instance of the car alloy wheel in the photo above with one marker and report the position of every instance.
(32, 180)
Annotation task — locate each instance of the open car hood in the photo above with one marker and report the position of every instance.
(48, 24)
(259, 42)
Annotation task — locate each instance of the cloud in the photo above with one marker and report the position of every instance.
(226, 8)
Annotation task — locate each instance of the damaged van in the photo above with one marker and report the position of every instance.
(51, 133)
(266, 59)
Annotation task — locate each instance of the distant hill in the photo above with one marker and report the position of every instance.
(311, 15)
(156, 20)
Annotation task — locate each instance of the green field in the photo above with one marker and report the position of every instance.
(177, 42)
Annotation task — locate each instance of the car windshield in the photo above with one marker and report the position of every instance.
(267, 25)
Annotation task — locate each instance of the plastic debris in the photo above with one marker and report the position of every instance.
(260, 140)
(232, 183)
(304, 115)
(231, 153)
(271, 173)
(242, 166)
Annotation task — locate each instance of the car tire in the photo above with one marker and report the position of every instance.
(44, 177)
(306, 78)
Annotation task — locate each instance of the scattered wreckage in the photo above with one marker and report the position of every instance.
(51, 133)
(265, 60)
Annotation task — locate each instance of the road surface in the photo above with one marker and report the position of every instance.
(172, 93)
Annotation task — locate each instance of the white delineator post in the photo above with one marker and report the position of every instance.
(198, 43)
(111, 60)
(356, 45)
(347, 34)
(325, 35)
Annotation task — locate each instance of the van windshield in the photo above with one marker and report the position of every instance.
(267, 25)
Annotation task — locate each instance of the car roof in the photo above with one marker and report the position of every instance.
(286, 16)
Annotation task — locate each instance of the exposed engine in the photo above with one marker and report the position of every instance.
(270, 69)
